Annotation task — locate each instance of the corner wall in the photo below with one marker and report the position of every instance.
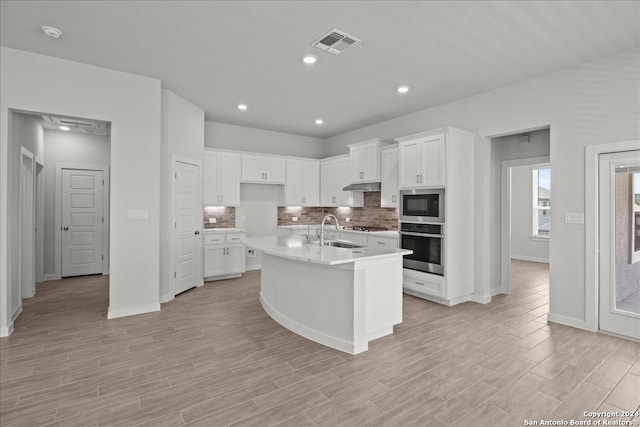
(38, 83)
(595, 102)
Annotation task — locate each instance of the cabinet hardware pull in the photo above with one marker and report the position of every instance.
(197, 232)
(420, 283)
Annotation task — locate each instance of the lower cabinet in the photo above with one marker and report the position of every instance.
(224, 255)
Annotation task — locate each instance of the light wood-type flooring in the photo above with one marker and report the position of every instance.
(212, 357)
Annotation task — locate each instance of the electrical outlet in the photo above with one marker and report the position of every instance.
(294, 218)
(138, 214)
(251, 252)
(348, 219)
(212, 220)
(574, 218)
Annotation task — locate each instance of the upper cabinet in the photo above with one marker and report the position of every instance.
(334, 176)
(263, 169)
(364, 161)
(303, 183)
(435, 158)
(221, 178)
(389, 172)
(422, 161)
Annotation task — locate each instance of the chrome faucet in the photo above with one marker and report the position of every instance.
(322, 227)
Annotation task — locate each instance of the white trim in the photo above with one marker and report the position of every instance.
(16, 313)
(570, 321)
(23, 245)
(39, 181)
(591, 223)
(254, 267)
(166, 298)
(505, 214)
(5, 331)
(132, 311)
(530, 258)
(539, 238)
(106, 208)
(495, 291)
(447, 302)
(481, 299)
(49, 277)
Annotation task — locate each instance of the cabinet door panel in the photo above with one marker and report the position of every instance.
(210, 179)
(389, 178)
(235, 259)
(370, 160)
(311, 183)
(214, 260)
(294, 186)
(356, 164)
(327, 187)
(409, 162)
(433, 161)
(229, 185)
(274, 170)
(252, 169)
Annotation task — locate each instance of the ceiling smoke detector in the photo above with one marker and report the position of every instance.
(335, 41)
(52, 32)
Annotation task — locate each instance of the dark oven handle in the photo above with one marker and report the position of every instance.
(406, 233)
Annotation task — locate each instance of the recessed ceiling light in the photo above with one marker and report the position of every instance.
(403, 89)
(64, 128)
(309, 59)
(319, 121)
(52, 32)
(242, 107)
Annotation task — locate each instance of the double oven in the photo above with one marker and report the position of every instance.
(422, 229)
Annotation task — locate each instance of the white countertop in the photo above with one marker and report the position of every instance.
(295, 248)
(223, 230)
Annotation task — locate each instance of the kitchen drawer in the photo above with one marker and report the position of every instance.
(332, 234)
(235, 237)
(214, 238)
(425, 283)
(355, 237)
(382, 242)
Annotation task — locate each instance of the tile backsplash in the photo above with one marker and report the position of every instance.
(370, 214)
(225, 217)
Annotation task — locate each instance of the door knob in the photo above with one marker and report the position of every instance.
(65, 228)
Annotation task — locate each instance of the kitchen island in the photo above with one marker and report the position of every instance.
(339, 297)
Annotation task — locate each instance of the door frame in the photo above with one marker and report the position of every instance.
(200, 216)
(26, 242)
(57, 258)
(591, 224)
(505, 213)
(39, 219)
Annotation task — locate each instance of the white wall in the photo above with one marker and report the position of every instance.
(37, 83)
(231, 137)
(182, 139)
(593, 103)
(66, 147)
(522, 245)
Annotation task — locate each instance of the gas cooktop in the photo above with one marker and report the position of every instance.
(364, 228)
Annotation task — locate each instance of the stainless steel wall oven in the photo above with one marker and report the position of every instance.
(427, 243)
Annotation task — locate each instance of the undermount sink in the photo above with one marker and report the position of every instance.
(338, 244)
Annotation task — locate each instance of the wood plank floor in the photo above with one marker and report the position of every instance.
(212, 357)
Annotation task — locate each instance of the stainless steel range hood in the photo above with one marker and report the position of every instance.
(364, 186)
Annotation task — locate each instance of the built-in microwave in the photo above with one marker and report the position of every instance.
(422, 205)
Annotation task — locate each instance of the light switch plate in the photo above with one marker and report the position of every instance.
(294, 218)
(138, 214)
(212, 220)
(574, 218)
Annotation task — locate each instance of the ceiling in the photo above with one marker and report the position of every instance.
(218, 54)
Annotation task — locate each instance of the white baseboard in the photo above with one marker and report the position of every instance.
(447, 302)
(15, 314)
(570, 321)
(132, 311)
(49, 277)
(166, 298)
(481, 299)
(254, 267)
(530, 258)
(5, 331)
(495, 291)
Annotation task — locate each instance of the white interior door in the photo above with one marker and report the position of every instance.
(82, 217)
(619, 262)
(187, 229)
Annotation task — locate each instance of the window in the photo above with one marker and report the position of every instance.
(541, 201)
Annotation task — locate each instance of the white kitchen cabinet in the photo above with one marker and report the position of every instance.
(263, 169)
(364, 161)
(221, 178)
(224, 255)
(422, 161)
(383, 242)
(302, 187)
(389, 173)
(334, 176)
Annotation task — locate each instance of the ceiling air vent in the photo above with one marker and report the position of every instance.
(335, 41)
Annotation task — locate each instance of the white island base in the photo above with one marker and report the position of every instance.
(343, 306)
